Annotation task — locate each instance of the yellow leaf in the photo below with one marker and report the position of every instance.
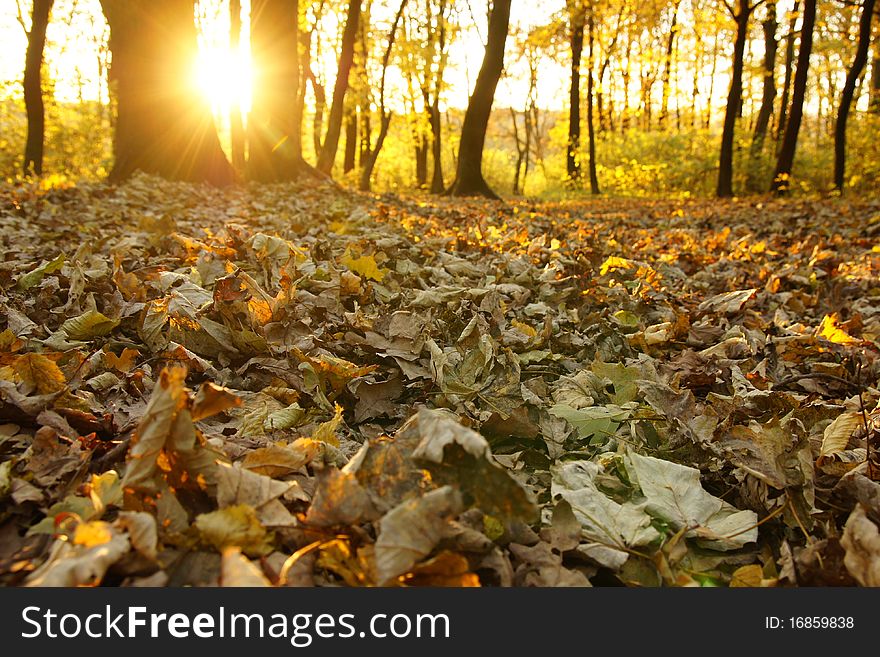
(831, 331)
(9, 342)
(837, 434)
(39, 373)
(326, 433)
(365, 266)
(616, 262)
(235, 526)
(91, 324)
(747, 576)
(524, 328)
(124, 362)
(211, 399)
(92, 533)
(278, 461)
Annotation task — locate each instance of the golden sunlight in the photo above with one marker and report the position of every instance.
(224, 78)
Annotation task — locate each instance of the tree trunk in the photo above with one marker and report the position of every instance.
(346, 59)
(520, 153)
(351, 141)
(667, 68)
(789, 70)
(437, 184)
(781, 176)
(734, 98)
(372, 153)
(33, 88)
(275, 151)
(578, 25)
(421, 161)
(469, 179)
(163, 125)
(769, 90)
(874, 98)
(320, 95)
(849, 89)
(591, 133)
(711, 92)
(236, 126)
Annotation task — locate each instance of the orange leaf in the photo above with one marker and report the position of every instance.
(39, 373)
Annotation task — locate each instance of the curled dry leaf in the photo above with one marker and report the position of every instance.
(861, 540)
(239, 571)
(410, 531)
(71, 564)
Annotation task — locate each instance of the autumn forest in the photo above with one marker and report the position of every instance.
(401, 293)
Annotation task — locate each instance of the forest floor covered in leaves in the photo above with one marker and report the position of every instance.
(302, 386)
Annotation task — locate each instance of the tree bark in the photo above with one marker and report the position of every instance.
(346, 59)
(768, 94)
(275, 148)
(385, 117)
(578, 22)
(789, 72)
(667, 67)
(236, 125)
(163, 125)
(591, 132)
(849, 89)
(437, 184)
(33, 88)
(469, 179)
(874, 97)
(351, 141)
(734, 98)
(782, 174)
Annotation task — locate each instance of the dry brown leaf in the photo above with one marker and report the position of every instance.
(861, 540)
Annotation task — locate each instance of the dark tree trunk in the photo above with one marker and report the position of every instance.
(781, 175)
(591, 133)
(317, 89)
(163, 125)
(275, 150)
(849, 89)
(372, 153)
(578, 25)
(469, 179)
(711, 92)
(520, 152)
(437, 184)
(667, 68)
(236, 125)
(33, 88)
(789, 72)
(421, 161)
(734, 99)
(351, 141)
(320, 106)
(366, 136)
(769, 90)
(874, 98)
(346, 59)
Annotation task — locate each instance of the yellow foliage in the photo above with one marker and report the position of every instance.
(365, 266)
(831, 331)
(39, 373)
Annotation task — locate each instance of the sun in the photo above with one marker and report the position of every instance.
(224, 79)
